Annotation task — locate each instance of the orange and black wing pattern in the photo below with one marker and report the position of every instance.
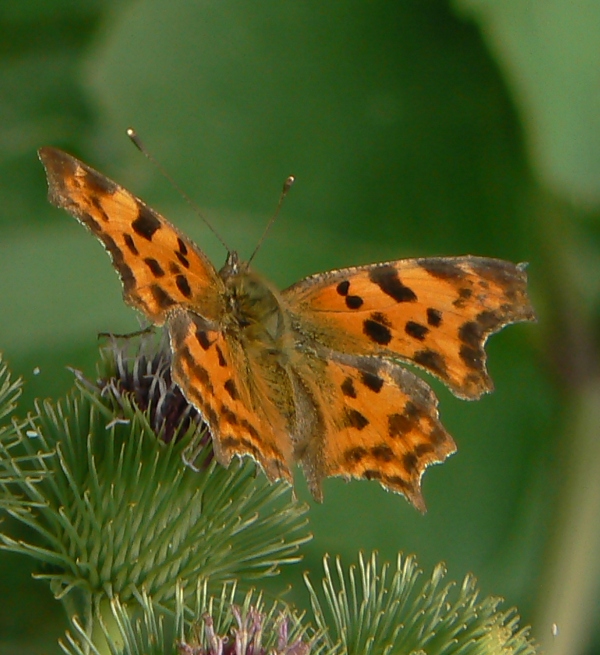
(160, 268)
(436, 313)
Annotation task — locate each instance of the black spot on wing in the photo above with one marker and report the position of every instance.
(355, 455)
(183, 259)
(399, 425)
(410, 409)
(416, 330)
(434, 317)
(146, 224)
(383, 453)
(196, 370)
(342, 288)
(381, 318)
(386, 278)
(181, 252)
(154, 266)
(162, 298)
(354, 302)
(229, 442)
(251, 448)
(348, 388)
(210, 415)
(376, 332)
(95, 200)
(397, 482)
(127, 276)
(463, 295)
(250, 429)
(432, 361)
(354, 419)
(372, 381)
(130, 243)
(227, 415)
(202, 339)
(377, 328)
(232, 389)
(181, 245)
(183, 285)
(221, 357)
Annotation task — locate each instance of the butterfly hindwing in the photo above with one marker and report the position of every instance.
(160, 267)
(378, 421)
(211, 372)
(436, 313)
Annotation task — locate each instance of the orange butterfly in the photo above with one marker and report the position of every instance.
(311, 374)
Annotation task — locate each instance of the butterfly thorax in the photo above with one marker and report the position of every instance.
(254, 310)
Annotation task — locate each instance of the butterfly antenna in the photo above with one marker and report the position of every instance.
(135, 139)
(287, 185)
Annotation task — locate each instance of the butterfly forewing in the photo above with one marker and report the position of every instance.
(160, 268)
(436, 313)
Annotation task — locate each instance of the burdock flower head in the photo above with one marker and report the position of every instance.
(253, 633)
(139, 370)
(227, 623)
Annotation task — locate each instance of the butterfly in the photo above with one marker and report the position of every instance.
(314, 374)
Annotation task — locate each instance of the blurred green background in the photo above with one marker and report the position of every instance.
(414, 128)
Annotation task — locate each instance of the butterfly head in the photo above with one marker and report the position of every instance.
(238, 277)
(232, 266)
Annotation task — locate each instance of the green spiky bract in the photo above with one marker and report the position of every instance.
(112, 511)
(371, 610)
(18, 466)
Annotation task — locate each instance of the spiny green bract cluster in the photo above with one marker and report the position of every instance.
(150, 556)
(115, 511)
